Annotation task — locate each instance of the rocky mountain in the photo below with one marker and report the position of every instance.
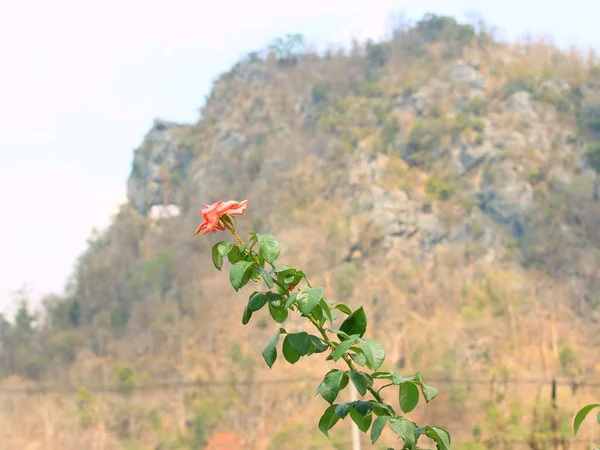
(442, 179)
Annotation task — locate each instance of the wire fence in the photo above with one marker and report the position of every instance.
(215, 383)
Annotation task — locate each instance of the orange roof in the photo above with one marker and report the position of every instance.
(225, 441)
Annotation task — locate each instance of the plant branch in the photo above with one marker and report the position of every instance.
(235, 235)
(345, 357)
(384, 386)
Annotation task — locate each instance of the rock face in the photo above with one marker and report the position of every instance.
(298, 140)
(158, 212)
(393, 211)
(505, 197)
(466, 156)
(520, 102)
(464, 74)
(160, 165)
(398, 217)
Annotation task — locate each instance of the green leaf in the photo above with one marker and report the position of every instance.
(343, 308)
(374, 352)
(439, 436)
(318, 315)
(342, 410)
(363, 422)
(397, 378)
(234, 255)
(328, 420)
(278, 313)
(343, 347)
(267, 277)
(289, 353)
(270, 352)
(345, 381)
(362, 407)
(429, 392)
(269, 247)
(582, 414)
(382, 409)
(409, 396)
(246, 316)
(343, 336)
(290, 300)
(224, 247)
(240, 274)
(355, 323)
(220, 250)
(300, 342)
(255, 273)
(331, 385)
(382, 375)
(406, 429)
(302, 275)
(225, 218)
(359, 359)
(309, 298)
(249, 243)
(378, 427)
(316, 345)
(289, 278)
(359, 380)
(216, 256)
(257, 301)
(326, 309)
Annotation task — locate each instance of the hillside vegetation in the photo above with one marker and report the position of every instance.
(454, 175)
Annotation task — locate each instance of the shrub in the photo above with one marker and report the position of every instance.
(287, 50)
(534, 176)
(119, 318)
(521, 83)
(319, 93)
(477, 105)
(592, 155)
(425, 137)
(437, 189)
(589, 119)
(381, 110)
(372, 88)
(63, 313)
(158, 273)
(435, 28)
(376, 54)
(478, 125)
(461, 123)
(125, 378)
(569, 360)
(552, 97)
(85, 400)
(66, 344)
(479, 139)
(345, 278)
(207, 414)
(388, 133)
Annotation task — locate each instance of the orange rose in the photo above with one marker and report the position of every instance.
(212, 214)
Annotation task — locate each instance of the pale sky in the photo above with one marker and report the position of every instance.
(82, 81)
